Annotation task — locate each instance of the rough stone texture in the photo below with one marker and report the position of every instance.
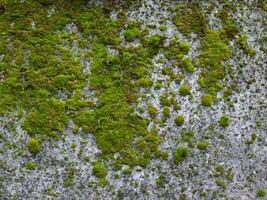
(187, 180)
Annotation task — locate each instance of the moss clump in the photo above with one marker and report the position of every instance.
(221, 184)
(179, 56)
(206, 100)
(202, 145)
(153, 43)
(163, 28)
(180, 154)
(179, 120)
(227, 94)
(131, 34)
(160, 180)
(99, 170)
(189, 66)
(31, 165)
(164, 100)
(252, 140)
(186, 137)
(229, 26)
(48, 116)
(242, 42)
(127, 171)
(102, 182)
(173, 49)
(219, 168)
(166, 112)
(34, 146)
(152, 110)
(184, 46)
(190, 18)
(69, 181)
(261, 192)
(184, 90)
(229, 174)
(224, 121)
(215, 51)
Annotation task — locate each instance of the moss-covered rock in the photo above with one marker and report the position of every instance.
(180, 154)
(184, 46)
(179, 120)
(202, 145)
(224, 121)
(184, 90)
(99, 170)
(34, 146)
(206, 100)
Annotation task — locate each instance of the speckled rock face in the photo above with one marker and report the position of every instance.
(218, 150)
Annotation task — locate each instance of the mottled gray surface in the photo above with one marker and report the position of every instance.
(248, 110)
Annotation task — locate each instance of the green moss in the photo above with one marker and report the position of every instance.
(224, 121)
(206, 100)
(252, 140)
(229, 26)
(215, 51)
(184, 46)
(75, 129)
(131, 34)
(163, 28)
(219, 168)
(34, 146)
(55, 68)
(160, 180)
(99, 170)
(229, 174)
(152, 110)
(47, 117)
(164, 155)
(176, 106)
(189, 66)
(153, 43)
(221, 184)
(190, 18)
(242, 42)
(127, 171)
(166, 112)
(207, 136)
(179, 56)
(164, 100)
(180, 154)
(261, 192)
(184, 90)
(102, 182)
(117, 87)
(227, 94)
(70, 174)
(202, 145)
(54, 135)
(179, 120)
(31, 165)
(186, 137)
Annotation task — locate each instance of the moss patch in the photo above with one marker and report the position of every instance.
(190, 18)
(206, 100)
(180, 154)
(34, 146)
(179, 120)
